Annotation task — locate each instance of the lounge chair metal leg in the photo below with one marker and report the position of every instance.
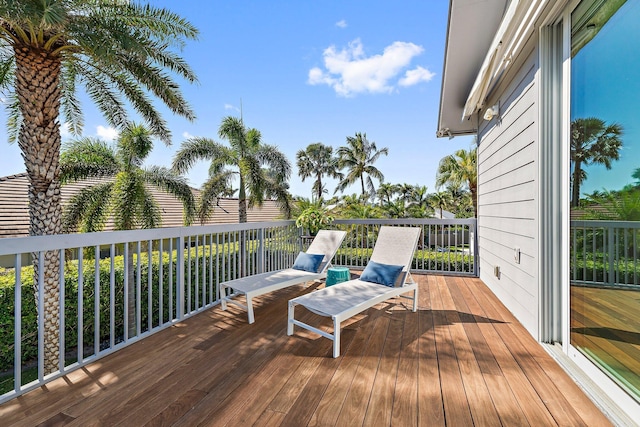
(292, 309)
(223, 297)
(336, 337)
(250, 309)
(415, 299)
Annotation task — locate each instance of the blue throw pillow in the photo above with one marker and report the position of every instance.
(308, 262)
(383, 274)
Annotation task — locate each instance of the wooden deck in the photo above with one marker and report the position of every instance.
(462, 360)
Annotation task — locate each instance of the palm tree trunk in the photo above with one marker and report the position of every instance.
(575, 188)
(362, 184)
(38, 92)
(319, 183)
(474, 199)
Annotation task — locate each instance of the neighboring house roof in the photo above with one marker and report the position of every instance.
(471, 29)
(14, 207)
(445, 214)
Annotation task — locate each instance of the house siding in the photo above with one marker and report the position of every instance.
(508, 190)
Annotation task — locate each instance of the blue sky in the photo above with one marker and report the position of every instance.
(612, 78)
(310, 71)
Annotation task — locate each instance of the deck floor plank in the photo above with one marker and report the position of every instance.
(462, 359)
(456, 405)
(481, 405)
(380, 403)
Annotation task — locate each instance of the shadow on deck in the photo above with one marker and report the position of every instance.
(461, 360)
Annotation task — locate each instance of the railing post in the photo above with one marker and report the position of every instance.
(17, 355)
(476, 266)
(610, 253)
(261, 250)
(180, 279)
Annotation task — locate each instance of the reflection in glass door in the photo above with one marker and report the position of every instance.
(605, 188)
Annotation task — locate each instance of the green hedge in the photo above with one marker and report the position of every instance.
(423, 259)
(595, 270)
(29, 312)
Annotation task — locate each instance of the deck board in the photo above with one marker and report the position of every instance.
(462, 359)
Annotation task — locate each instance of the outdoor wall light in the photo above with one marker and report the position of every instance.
(491, 112)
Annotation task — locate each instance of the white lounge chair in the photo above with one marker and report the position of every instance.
(395, 246)
(326, 242)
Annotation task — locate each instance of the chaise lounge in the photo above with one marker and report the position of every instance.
(386, 276)
(310, 265)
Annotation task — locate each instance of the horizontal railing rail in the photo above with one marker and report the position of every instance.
(605, 253)
(104, 291)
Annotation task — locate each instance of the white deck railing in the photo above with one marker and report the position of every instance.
(116, 288)
(605, 253)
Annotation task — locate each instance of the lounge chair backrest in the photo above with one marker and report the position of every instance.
(326, 242)
(396, 246)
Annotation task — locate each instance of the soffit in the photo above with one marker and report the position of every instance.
(471, 29)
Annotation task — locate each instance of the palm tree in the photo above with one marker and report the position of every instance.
(262, 170)
(592, 142)
(358, 157)
(117, 50)
(441, 200)
(460, 169)
(355, 206)
(419, 206)
(405, 192)
(124, 195)
(386, 192)
(317, 161)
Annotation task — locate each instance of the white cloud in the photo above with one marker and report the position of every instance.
(415, 76)
(341, 24)
(186, 135)
(107, 133)
(64, 130)
(231, 107)
(349, 71)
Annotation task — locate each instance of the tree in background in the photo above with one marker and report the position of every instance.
(441, 200)
(316, 161)
(419, 202)
(386, 192)
(460, 169)
(358, 157)
(50, 48)
(356, 206)
(261, 169)
(124, 195)
(592, 142)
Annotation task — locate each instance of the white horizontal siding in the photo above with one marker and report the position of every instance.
(508, 193)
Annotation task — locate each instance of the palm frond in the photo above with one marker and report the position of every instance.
(104, 96)
(87, 157)
(215, 187)
(168, 181)
(69, 102)
(150, 214)
(128, 194)
(195, 149)
(232, 129)
(87, 211)
(155, 22)
(14, 117)
(276, 161)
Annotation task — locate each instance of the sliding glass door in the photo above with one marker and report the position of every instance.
(605, 188)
